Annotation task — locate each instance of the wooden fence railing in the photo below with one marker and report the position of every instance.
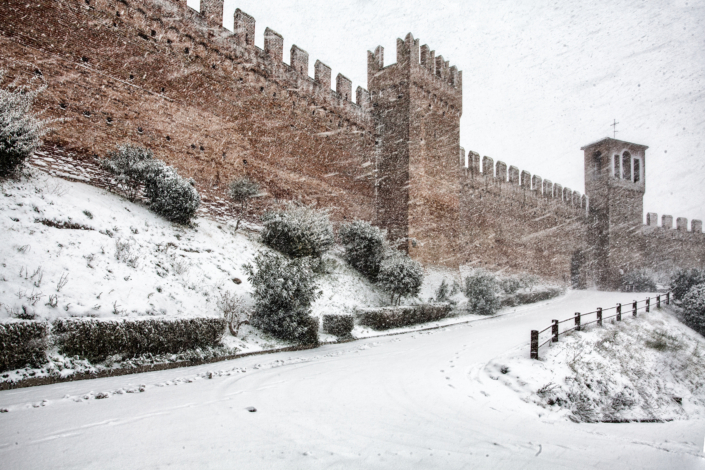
(537, 337)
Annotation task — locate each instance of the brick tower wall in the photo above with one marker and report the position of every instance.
(417, 103)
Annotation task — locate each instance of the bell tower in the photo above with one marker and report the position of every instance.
(615, 185)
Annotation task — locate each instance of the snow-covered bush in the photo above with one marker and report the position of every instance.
(640, 280)
(522, 298)
(443, 291)
(285, 288)
(22, 344)
(97, 339)
(21, 131)
(235, 311)
(384, 318)
(298, 231)
(242, 190)
(310, 335)
(170, 195)
(529, 281)
(684, 279)
(400, 276)
(338, 325)
(510, 285)
(131, 165)
(694, 307)
(481, 289)
(365, 247)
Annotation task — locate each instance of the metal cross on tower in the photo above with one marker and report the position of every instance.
(614, 124)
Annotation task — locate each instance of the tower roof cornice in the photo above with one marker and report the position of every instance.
(612, 141)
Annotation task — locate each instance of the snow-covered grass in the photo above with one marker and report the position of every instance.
(74, 250)
(647, 368)
(129, 262)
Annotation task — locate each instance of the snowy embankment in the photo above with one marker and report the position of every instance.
(420, 400)
(646, 368)
(74, 250)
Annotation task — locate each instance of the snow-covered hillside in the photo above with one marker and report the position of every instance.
(648, 368)
(70, 249)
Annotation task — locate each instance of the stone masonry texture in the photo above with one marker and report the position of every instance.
(159, 74)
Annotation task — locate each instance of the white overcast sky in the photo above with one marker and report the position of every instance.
(540, 79)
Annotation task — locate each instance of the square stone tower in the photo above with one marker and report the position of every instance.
(417, 104)
(614, 183)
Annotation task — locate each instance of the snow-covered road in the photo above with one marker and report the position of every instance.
(420, 400)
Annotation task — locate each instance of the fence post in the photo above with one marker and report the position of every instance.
(577, 321)
(534, 344)
(554, 331)
(619, 312)
(658, 301)
(634, 309)
(668, 298)
(648, 304)
(599, 316)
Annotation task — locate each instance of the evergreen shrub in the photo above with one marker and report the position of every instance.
(510, 285)
(365, 247)
(170, 195)
(130, 165)
(284, 290)
(694, 308)
(338, 325)
(640, 280)
(242, 190)
(400, 276)
(298, 231)
(96, 339)
(384, 318)
(684, 279)
(522, 298)
(21, 131)
(22, 344)
(481, 288)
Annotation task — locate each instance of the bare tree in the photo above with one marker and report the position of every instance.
(241, 191)
(234, 310)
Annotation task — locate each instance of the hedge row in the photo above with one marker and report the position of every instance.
(338, 325)
(22, 344)
(310, 337)
(522, 298)
(384, 318)
(97, 339)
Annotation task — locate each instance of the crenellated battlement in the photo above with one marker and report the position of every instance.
(433, 77)
(201, 35)
(696, 226)
(512, 179)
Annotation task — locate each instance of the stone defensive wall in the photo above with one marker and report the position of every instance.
(159, 74)
(513, 220)
(666, 247)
